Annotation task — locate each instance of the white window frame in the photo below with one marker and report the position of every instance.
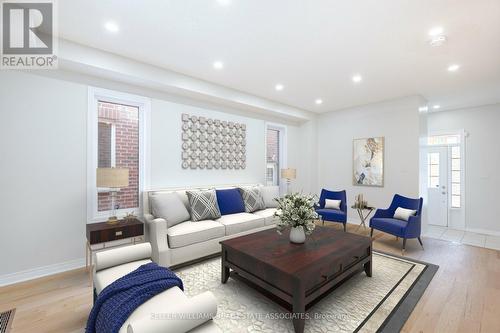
(144, 105)
(283, 158)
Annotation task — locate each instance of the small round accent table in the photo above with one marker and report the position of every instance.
(364, 213)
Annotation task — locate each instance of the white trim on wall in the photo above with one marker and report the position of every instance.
(144, 105)
(39, 272)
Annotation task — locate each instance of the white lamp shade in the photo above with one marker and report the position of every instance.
(112, 177)
(289, 173)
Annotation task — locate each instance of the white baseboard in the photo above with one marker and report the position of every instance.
(39, 272)
(483, 231)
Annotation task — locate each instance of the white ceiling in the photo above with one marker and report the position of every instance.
(313, 48)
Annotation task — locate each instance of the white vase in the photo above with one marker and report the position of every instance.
(297, 235)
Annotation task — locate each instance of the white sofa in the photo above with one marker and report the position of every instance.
(190, 240)
(165, 312)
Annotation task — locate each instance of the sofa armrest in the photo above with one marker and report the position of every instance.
(122, 255)
(413, 227)
(158, 239)
(190, 314)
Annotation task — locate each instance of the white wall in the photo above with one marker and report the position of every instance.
(397, 121)
(43, 166)
(166, 143)
(42, 173)
(482, 158)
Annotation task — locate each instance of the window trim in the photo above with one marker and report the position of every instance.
(144, 104)
(283, 149)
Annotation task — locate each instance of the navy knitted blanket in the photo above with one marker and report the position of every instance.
(117, 301)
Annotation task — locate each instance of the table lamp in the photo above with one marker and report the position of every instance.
(114, 179)
(288, 174)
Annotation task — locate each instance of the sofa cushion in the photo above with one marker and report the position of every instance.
(230, 201)
(105, 277)
(268, 215)
(404, 214)
(269, 194)
(189, 232)
(392, 226)
(332, 204)
(332, 215)
(236, 223)
(170, 207)
(203, 205)
(252, 197)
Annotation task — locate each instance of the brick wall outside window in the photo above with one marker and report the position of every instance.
(125, 120)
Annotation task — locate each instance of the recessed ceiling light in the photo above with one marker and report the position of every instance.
(453, 68)
(224, 2)
(112, 26)
(423, 109)
(218, 65)
(357, 78)
(279, 87)
(436, 106)
(319, 101)
(436, 31)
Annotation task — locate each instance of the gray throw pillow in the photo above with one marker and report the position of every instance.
(269, 193)
(252, 197)
(170, 207)
(203, 205)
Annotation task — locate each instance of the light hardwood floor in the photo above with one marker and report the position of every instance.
(464, 295)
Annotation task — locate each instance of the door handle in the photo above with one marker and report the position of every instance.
(443, 192)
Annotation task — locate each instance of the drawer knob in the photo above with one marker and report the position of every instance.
(118, 233)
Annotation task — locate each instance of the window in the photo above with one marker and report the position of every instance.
(273, 156)
(117, 125)
(443, 139)
(455, 177)
(433, 168)
(275, 153)
(118, 147)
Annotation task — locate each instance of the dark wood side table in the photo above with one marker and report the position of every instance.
(102, 233)
(362, 215)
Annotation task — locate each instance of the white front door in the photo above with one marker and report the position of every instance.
(437, 178)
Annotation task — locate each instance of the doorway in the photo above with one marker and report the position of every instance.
(437, 187)
(445, 180)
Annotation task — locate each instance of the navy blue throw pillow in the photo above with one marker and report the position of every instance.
(230, 201)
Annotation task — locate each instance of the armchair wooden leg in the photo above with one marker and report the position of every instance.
(397, 238)
(371, 232)
(404, 246)
(420, 241)
(345, 227)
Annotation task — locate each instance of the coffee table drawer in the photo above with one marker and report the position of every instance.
(353, 258)
(323, 275)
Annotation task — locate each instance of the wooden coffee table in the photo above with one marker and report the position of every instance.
(296, 275)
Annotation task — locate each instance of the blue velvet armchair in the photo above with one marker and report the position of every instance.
(384, 220)
(333, 215)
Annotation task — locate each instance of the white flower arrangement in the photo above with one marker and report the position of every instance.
(296, 210)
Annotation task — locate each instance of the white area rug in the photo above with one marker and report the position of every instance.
(361, 304)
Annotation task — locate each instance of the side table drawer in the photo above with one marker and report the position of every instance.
(117, 233)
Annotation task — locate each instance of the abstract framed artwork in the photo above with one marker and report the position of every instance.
(368, 162)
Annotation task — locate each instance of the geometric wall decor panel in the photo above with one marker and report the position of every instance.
(212, 143)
